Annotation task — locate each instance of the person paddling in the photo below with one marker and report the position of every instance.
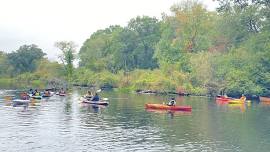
(24, 96)
(172, 102)
(95, 98)
(36, 93)
(62, 91)
(47, 93)
(243, 98)
(31, 92)
(89, 95)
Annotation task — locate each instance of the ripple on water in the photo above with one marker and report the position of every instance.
(62, 124)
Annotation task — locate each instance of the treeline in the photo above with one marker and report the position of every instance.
(27, 67)
(194, 51)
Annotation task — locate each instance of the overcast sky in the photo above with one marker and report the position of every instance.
(43, 22)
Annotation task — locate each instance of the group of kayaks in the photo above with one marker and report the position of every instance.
(32, 98)
(220, 99)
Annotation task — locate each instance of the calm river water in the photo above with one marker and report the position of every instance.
(64, 124)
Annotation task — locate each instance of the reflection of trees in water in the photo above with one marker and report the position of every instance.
(68, 107)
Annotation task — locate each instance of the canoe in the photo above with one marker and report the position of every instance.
(36, 97)
(166, 107)
(101, 102)
(62, 94)
(264, 99)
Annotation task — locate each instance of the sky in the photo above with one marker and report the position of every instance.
(43, 22)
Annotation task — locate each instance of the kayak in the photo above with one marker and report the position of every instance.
(100, 102)
(46, 96)
(62, 94)
(236, 101)
(225, 99)
(20, 101)
(166, 107)
(17, 102)
(36, 97)
(264, 99)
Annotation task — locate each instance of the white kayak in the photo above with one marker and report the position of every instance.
(20, 101)
(103, 101)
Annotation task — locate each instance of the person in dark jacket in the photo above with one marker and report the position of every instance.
(96, 97)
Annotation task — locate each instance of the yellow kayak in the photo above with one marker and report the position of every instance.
(237, 101)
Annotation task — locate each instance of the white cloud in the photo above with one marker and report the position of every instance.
(44, 22)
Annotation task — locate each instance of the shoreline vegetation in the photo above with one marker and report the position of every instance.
(191, 52)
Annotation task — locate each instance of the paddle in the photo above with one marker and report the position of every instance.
(105, 99)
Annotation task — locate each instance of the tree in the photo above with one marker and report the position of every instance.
(190, 30)
(97, 52)
(25, 58)
(67, 57)
(3, 64)
(147, 31)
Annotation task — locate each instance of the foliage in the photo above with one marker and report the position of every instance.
(67, 57)
(191, 51)
(25, 58)
(117, 48)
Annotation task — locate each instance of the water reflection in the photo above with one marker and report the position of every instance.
(64, 124)
(171, 113)
(92, 108)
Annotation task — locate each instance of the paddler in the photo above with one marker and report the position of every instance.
(96, 97)
(24, 96)
(172, 102)
(89, 94)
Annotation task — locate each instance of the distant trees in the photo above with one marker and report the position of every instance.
(25, 58)
(195, 49)
(117, 48)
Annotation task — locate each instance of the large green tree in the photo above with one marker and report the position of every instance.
(147, 33)
(67, 57)
(25, 58)
(97, 52)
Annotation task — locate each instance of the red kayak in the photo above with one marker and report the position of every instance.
(166, 107)
(224, 99)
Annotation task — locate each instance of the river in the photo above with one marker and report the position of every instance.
(64, 124)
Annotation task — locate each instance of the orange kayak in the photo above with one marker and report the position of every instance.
(264, 99)
(166, 107)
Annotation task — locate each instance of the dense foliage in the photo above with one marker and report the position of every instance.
(191, 51)
(27, 67)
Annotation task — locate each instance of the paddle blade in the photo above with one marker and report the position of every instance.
(105, 99)
(99, 90)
